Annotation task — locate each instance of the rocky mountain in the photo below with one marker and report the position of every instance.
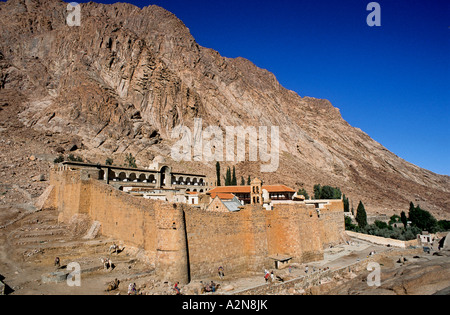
(122, 80)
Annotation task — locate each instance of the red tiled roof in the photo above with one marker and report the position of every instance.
(223, 196)
(278, 188)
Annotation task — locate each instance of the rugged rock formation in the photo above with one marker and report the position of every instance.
(126, 77)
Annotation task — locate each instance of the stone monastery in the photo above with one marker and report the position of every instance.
(188, 228)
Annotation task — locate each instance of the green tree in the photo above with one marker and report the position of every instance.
(249, 180)
(337, 194)
(109, 161)
(303, 192)
(234, 179)
(317, 192)
(361, 215)
(327, 192)
(422, 219)
(242, 181)
(228, 179)
(218, 174)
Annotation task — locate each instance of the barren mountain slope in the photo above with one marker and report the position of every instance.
(126, 77)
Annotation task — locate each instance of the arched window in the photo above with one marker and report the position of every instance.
(122, 176)
(132, 177)
(142, 178)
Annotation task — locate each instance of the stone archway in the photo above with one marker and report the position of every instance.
(132, 177)
(142, 178)
(122, 176)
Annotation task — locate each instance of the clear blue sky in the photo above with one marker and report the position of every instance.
(392, 81)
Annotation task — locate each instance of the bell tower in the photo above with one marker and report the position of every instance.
(256, 192)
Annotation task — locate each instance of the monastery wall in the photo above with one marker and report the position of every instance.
(332, 223)
(295, 231)
(185, 243)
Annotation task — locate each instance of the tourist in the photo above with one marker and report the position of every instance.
(221, 272)
(213, 287)
(132, 289)
(267, 276)
(272, 276)
(57, 263)
(177, 290)
(306, 269)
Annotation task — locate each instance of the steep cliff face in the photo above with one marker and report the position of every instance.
(125, 77)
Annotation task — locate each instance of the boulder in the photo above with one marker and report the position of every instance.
(54, 277)
(447, 242)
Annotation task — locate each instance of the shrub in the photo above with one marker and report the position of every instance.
(303, 192)
(444, 225)
(349, 226)
(394, 219)
(131, 161)
(59, 159)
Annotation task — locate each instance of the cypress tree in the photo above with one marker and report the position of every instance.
(249, 180)
(346, 204)
(218, 174)
(361, 215)
(404, 219)
(234, 179)
(228, 179)
(242, 181)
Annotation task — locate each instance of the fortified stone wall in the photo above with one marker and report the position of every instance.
(186, 243)
(332, 223)
(295, 231)
(216, 239)
(122, 216)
